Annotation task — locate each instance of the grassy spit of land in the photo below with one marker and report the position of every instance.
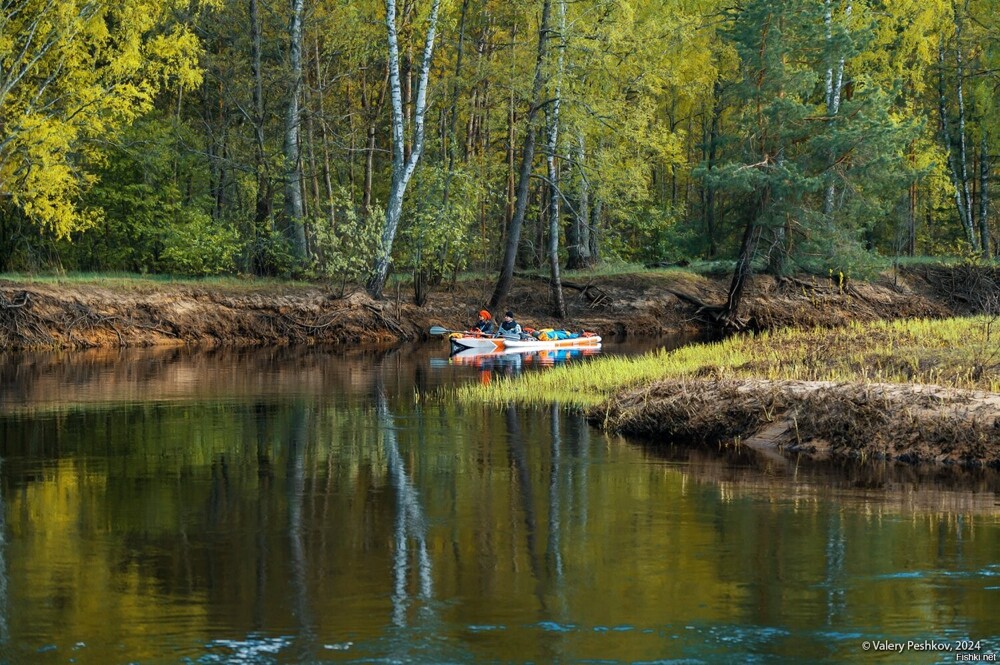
(912, 390)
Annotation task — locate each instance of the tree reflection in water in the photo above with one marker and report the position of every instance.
(554, 554)
(834, 581)
(409, 523)
(3, 568)
(296, 495)
(518, 459)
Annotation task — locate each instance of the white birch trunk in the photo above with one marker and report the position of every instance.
(953, 167)
(293, 163)
(555, 282)
(963, 159)
(834, 84)
(984, 199)
(828, 23)
(403, 166)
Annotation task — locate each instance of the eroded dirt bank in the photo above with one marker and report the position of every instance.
(87, 315)
(821, 420)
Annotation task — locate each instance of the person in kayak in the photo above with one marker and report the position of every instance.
(510, 328)
(485, 323)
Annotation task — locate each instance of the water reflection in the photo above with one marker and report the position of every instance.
(3, 565)
(296, 465)
(301, 506)
(511, 363)
(410, 523)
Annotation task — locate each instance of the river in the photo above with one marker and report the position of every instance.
(302, 505)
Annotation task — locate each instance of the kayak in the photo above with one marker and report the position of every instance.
(532, 344)
(459, 342)
(499, 343)
(478, 357)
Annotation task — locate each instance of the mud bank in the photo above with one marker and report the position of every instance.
(88, 315)
(818, 420)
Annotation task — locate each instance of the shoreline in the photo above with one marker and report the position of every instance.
(913, 391)
(820, 420)
(115, 313)
(846, 384)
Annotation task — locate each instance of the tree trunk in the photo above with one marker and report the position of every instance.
(506, 276)
(452, 143)
(984, 199)
(262, 207)
(911, 232)
(366, 194)
(953, 169)
(402, 170)
(294, 209)
(713, 146)
(834, 83)
(578, 228)
(327, 170)
(317, 197)
(963, 158)
(558, 302)
(511, 195)
(744, 267)
(595, 231)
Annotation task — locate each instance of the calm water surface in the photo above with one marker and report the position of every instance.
(303, 506)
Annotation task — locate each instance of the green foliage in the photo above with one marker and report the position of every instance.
(139, 198)
(680, 121)
(269, 253)
(798, 156)
(199, 247)
(345, 250)
(437, 237)
(649, 234)
(73, 74)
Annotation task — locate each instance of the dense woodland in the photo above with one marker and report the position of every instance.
(351, 140)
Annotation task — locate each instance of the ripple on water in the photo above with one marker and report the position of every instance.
(555, 627)
(253, 649)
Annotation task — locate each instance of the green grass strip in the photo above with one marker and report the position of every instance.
(957, 352)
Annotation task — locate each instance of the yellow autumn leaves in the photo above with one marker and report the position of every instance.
(72, 74)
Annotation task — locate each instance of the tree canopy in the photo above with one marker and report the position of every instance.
(279, 138)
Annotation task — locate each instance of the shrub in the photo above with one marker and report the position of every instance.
(199, 247)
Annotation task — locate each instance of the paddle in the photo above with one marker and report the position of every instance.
(439, 330)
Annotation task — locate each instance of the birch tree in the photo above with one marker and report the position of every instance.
(555, 283)
(293, 164)
(403, 164)
(833, 87)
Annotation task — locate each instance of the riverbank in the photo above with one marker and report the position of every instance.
(818, 419)
(911, 391)
(89, 313)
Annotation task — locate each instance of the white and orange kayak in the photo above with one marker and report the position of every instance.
(480, 342)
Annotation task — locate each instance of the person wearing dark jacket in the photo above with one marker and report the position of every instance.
(510, 327)
(485, 323)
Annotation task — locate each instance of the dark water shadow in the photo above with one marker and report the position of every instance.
(893, 485)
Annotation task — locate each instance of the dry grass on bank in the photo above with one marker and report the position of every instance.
(958, 352)
(860, 421)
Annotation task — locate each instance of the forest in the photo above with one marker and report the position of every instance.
(351, 141)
